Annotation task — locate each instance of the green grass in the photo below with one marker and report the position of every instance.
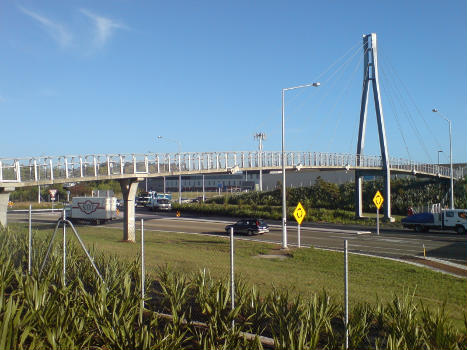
(274, 212)
(34, 205)
(306, 271)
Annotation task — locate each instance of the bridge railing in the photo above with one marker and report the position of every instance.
(75, 167)
(433, 169)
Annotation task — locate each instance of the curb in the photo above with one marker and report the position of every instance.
(445, 262)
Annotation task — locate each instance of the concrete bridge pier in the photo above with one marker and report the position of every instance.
(4, 199)
(386, 192)
(358, 195)
(129, 188)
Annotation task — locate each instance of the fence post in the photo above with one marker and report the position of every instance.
(142, 263)
(346, 293)
(232, 286)
(64, 247)
(29, 239)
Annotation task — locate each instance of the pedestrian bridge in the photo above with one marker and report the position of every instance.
(130, 169)
(21, 172)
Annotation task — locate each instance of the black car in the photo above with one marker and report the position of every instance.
(249, 227)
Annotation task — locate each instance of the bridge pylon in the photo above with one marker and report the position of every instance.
(370, 74)
(129, 188)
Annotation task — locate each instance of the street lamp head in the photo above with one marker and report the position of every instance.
(434, 110)
(159, 137)
(316, 84)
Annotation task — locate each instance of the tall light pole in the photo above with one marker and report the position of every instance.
(284, 204)
(260, 136)
(179, 145)
(450, 154)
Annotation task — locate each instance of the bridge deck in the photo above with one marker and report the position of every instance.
(23, 172)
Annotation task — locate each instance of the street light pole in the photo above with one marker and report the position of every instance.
(450, 155)
(260, 136)
(179, 145)
(284, 197)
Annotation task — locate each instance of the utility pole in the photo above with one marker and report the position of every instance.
(260, 136)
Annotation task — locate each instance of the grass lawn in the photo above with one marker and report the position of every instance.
(35, 205)
(305, 271)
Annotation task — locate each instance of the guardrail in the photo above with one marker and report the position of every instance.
(95, 165)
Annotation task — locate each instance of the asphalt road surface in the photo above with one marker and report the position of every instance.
(392, 243)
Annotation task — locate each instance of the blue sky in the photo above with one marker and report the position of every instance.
(82, 77)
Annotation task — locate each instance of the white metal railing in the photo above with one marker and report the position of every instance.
(76, 167)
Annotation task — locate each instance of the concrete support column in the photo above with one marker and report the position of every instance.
(4, 199)
(358, 195)
(386, 192)
(387, 196)
(129, 188)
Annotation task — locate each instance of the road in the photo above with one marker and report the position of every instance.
(399, 244)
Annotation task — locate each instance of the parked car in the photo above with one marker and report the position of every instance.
(197, 200)
(249, 226)
(161, 204)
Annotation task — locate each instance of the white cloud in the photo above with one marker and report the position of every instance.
(55, 30)
(104, 27)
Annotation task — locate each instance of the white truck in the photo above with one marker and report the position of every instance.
(96, 210)
(445, 219)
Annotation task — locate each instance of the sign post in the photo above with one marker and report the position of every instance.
(378, 200)
(299, 214)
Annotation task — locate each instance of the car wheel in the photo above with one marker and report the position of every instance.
(418, 228)
(460, 230)
(250, 233)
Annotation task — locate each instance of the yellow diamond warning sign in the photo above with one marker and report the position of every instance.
(378, 200)
(299, 213)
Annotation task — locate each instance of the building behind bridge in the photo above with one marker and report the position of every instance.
(248, 181)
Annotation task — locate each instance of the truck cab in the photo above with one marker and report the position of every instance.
(445, 219)
(455, 218)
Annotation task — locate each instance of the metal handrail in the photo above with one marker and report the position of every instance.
(74, 167)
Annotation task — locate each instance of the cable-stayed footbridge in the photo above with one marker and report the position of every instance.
(130, 169)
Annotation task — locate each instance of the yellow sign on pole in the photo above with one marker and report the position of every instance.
(299, 213)
(378, 200)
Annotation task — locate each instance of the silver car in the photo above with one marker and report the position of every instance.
(162, 204)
